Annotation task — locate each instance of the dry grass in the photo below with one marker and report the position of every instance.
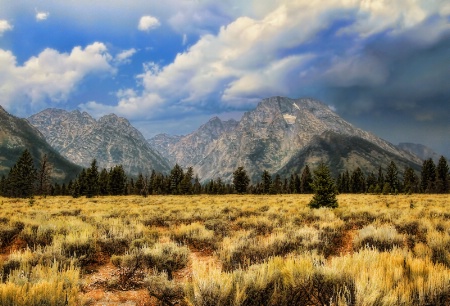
(226, 250)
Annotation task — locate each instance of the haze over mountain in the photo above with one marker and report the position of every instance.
(282, 135)
(18, 134)
(110, 140)
(423, 152)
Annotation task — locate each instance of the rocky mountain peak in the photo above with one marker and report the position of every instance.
(111, 140)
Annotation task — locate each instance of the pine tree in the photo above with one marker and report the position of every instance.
(392, 178)
(380, 180)
(357, 181)
(92, 176)
(306, 180)
(240, 180)
(266, 182)
(371, 182)
(186, 182)
(43, 177)
(118, 181)
(324, 188)
(442, 176)
(197, 188)
(410, 181)
(103, 182)
(22, 177)
(176, 176)
(275, 188)
(428, 176)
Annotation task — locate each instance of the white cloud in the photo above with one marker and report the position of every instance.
(124, 56)
(5, 26)
(50, 76)
(147, 23)
(252, 57)
(184, 40)
(41, 16)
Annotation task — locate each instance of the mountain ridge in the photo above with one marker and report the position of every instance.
(111, 140)
(271, 135)
(17, 134)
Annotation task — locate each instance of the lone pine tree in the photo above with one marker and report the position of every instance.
(324, 188)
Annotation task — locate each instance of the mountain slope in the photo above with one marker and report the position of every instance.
(17, 134)
(341, 152)
(270, 136)
(423, 152)
(110, 140)
(189, 150)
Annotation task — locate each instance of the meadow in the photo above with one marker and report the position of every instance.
(225, 250)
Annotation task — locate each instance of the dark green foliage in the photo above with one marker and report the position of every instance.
(186, 182)
(117, 181)
(357, 181)
(306, 181)
(92, 183)
(240, 180)
(442, 176)
(392, 178)
(428, 176)
(22, 177)
(176, 176)
(324, 188)
(410, 181)
(43, 177)
(103, 182)
(276, 186)
(371, 182)
(266, 182)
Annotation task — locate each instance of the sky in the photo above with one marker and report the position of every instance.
(383, 65)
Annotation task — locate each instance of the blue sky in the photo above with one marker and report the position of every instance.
(383, 65)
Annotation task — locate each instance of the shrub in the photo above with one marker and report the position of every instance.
(383, 238)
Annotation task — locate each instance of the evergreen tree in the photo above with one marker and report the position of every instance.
(197, 187)
(43, 177)
(357, 181)
(266, 182)
(392, 178)
(410, 181)
(186, 182)
(82, 182)
(428, 176)
(292, 184)
(380, 180)
(442, 176)
(324, 188)
(139, 184)
(176, 176)
(371, 182)
(240, 180)
(92, 176)
(306, 180)
(275, 188)
(76, 189)
(117, 181)
(22, 177)
(3, 186)
(103, 182)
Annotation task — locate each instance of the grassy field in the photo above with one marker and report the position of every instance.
(225, 250)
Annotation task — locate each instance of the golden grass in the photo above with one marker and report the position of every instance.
(264, 250)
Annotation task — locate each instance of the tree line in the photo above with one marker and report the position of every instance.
(25, 180)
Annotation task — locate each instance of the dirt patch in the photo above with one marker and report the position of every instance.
(345, 245)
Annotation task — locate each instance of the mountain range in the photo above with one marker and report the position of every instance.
(18, 134)
(281, 135)
(111, 140)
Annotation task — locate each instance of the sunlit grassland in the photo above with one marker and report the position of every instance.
(264, 250)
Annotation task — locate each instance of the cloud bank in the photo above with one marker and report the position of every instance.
(147, 23)
(49, 77)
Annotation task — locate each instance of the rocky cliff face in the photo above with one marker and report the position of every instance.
(189, 150)
(110, 140)
(17, 134)
(270, 136)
